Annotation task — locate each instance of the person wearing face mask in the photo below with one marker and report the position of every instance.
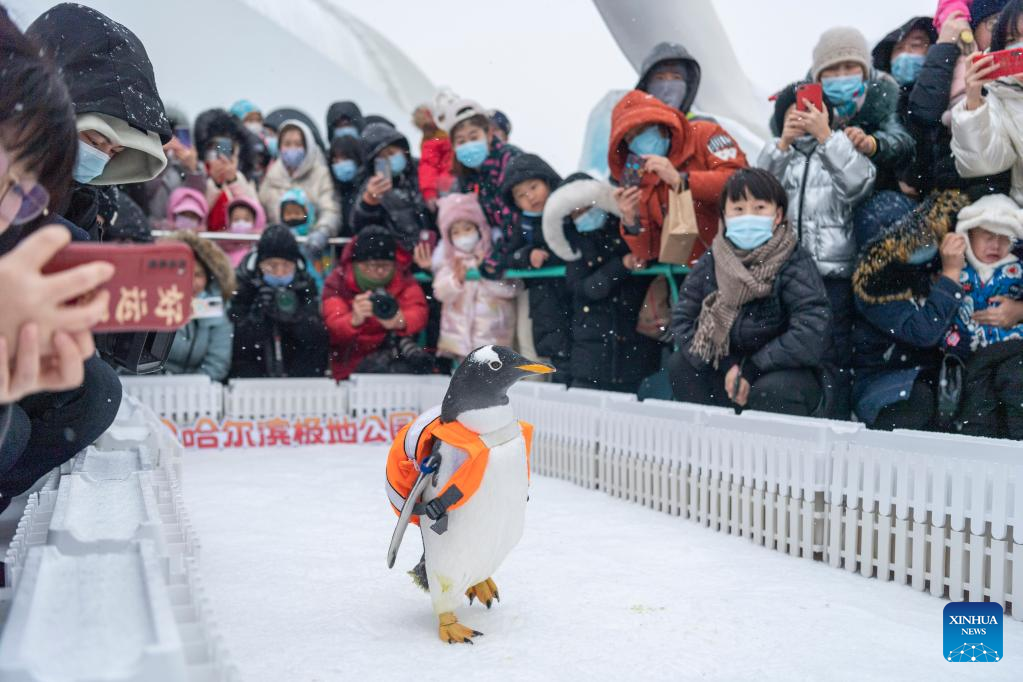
(988, 124)
(825, 178)
(245, 216)
(183, 169)
(373, 309)
(390, 195)
(476, 312)
(203, 346)
(479, 167)
(672, 75)
(300, 165)
(753, 310)
(903, 53)
(581, 227)
(668, 152)
(249, 115)
(344, 119)
(347, 166)
(544, 319)
(187, 210)
(278, 330)
(229, 158)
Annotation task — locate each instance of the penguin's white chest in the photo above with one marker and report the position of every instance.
(482, 531)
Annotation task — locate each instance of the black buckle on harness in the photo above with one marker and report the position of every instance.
(437, 509)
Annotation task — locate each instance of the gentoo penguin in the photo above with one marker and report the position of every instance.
(476, 536)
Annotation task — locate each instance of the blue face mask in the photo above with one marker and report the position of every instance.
(271, 147)
(278, 281)
(90, 163)
(906, 67)
(591, 221)
(472, 154)
(344, 171)
(532, 214)
(925, 254)
(293, 157)
(346, 131)
(843, 90)
(748, 232)
(398, 163)
(650, 141)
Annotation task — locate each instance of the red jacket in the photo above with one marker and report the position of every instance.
(348, 344)
(702, 149)
(435, 158)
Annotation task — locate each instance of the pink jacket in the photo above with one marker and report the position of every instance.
(236, 251)
(475, 312)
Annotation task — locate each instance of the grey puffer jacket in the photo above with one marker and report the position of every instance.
(824, 183)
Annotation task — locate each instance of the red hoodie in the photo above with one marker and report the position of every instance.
(348, 344)
(700, 148)
(435, 157)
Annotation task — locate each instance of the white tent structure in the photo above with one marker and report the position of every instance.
(277, 54)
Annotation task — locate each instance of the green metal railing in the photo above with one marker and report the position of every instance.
(559, 271)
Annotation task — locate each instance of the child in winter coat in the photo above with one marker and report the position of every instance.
(244, 216)
(187, 210)
(991, 274)
(825, 178)
(435, 157)
(667, 151)
(475, 312)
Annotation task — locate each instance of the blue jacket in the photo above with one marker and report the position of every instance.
(203, 346)
(893, 342)
(968, 336)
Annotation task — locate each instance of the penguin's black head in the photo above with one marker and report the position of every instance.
(484, 378)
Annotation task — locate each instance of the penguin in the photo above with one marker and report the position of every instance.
(460, 561)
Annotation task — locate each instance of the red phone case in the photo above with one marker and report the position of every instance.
(1009, 62)
(151, 289)
(813, 92)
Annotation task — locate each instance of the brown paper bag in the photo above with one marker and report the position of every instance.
(680, 230)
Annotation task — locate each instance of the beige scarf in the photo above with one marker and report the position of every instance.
(742, 276)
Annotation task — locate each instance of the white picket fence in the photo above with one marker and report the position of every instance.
(936, 512)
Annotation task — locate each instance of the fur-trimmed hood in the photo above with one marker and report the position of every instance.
(213, 259)
(893, 264)
(574, 193)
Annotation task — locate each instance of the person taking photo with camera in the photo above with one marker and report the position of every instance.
(373, 308)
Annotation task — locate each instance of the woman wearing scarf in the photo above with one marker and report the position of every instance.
(751, 323)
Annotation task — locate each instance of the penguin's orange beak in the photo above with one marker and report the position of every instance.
(536, 368)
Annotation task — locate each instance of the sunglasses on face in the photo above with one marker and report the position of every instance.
(20, 202)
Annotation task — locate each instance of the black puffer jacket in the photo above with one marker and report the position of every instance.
(402, 210)
(786, 330)
(105, 66)
(606, 350)
(339, 110)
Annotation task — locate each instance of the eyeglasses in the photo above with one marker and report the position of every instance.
(19, 202)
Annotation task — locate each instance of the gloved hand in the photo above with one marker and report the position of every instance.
(316, 244)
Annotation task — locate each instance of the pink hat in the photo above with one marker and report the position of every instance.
(187, 199)
(455, 207)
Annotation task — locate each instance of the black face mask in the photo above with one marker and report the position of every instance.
(295, 222)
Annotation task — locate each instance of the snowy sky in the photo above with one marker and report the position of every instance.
(547, 62)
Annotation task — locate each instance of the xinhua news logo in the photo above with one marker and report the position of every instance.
(973, 632)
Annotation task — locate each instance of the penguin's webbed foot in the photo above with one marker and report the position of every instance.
(453, 632)
(485, 591)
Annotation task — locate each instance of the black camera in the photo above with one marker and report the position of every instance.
(384, 305)
(135, 352)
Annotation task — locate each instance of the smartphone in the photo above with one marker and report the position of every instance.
(1009, 62)
(151, 290)
(382, 166)
(428, 236)
(632, 176)
(184, 136)
(812, 92)
(207, 308)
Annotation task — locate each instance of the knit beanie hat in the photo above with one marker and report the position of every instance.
(373, 243)
(277, 242)
(455, 207)
(982, 9)
(837, 45)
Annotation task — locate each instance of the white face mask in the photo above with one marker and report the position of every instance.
(255, 128)
(466, 243)
(241, 226)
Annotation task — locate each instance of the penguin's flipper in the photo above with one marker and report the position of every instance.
(453, 632)
(485, 591)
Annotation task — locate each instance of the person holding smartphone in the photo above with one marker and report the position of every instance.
(226, 152)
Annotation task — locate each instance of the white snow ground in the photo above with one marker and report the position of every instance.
(293, 558)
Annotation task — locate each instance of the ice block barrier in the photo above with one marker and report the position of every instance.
(103, 566)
